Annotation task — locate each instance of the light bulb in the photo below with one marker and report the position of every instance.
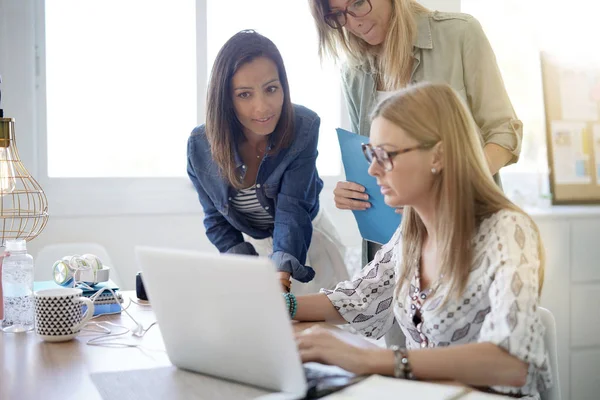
(7, 172)
(26, 206)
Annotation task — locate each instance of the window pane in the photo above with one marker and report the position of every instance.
(518, 56)
(518, 31)
(121, 87)
(291, 28)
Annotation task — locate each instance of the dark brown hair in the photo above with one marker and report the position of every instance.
(223, 129)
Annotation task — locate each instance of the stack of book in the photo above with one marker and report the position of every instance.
(105, 303)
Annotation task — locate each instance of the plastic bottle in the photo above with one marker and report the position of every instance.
(1, 296)
(17, 287)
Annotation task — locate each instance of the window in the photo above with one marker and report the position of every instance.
(518, 32)
(518, 56)
(121, 102)
(120, 87)
(291, 28)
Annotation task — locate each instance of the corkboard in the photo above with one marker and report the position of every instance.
(572, 106)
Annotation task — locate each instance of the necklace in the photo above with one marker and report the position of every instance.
(259, 152)
(417, 298)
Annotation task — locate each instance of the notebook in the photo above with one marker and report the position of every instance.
(105, 308)
(41, 285)
(384, 388)
(103, 304)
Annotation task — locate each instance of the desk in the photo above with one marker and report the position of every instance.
(34, 369)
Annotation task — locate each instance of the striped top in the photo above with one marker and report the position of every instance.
(247, 204)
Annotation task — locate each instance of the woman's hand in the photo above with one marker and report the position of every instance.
(286, 283)
(318, 344)
(350, 196)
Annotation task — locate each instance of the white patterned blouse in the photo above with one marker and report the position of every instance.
(499, 304)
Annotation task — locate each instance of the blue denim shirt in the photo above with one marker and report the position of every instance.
(287, 186)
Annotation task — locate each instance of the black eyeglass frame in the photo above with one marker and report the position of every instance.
(385, 158)
(331, 18)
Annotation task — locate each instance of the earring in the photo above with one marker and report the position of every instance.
(433, 171)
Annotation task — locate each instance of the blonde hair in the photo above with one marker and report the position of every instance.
(391, 61)
(434, 113)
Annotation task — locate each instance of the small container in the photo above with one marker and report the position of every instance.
(17, 288)
(1, 296)
(140, 291)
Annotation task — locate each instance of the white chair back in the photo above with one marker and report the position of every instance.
(551, 344)
(51, 253)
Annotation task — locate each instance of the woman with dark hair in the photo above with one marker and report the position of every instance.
(253, 165)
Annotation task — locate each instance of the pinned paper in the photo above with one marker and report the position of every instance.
(571, 153)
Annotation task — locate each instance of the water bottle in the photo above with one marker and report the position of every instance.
(17, 288)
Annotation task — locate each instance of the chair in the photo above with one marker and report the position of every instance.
(551, 343)
(49, 254)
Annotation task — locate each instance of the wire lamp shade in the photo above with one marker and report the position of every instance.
(23, 204)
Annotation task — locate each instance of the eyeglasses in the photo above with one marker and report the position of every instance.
(356, 8)
(384, 158)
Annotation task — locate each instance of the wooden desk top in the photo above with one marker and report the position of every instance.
(31, 368)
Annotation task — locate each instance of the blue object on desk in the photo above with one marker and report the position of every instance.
(100, 309)
(41, 285)
(101, 305)
(378, 223)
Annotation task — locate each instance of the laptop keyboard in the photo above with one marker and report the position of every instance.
(323, 380)
(313, 373)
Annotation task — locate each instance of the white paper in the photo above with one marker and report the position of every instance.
(597, 151)
(383, 388)
(571, 153)
(475, 395)
(577, 95)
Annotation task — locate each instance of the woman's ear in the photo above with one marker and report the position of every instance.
(437, 160)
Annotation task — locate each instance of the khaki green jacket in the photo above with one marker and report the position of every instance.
(450, 48)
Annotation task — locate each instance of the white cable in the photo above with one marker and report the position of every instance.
(106, 333)
(145, 304)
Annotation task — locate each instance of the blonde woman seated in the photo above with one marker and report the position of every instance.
(463, 273)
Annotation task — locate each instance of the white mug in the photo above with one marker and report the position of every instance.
(58, 313)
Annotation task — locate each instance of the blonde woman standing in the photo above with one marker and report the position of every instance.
(462, 275)
(386, 45)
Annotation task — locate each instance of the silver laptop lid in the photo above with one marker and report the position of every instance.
(223, 315)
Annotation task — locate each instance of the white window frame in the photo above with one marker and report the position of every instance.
(22, 59)
(89, 196)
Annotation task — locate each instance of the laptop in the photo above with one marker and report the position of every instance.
(224, 315)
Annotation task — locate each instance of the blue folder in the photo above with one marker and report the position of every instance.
(378, 223)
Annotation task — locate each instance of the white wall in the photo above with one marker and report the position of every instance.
(442, 5)
(118, 233)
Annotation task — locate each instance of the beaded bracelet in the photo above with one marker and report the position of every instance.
(291, 303)
(287, 301)
(294, 305)
(402, 367)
